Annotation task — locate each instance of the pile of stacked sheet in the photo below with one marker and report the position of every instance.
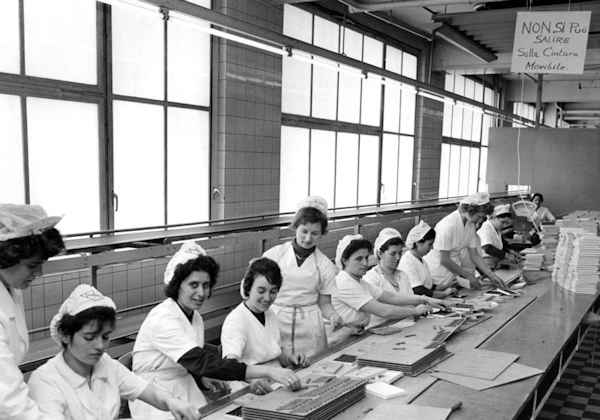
(533, 260)
(406, 357)
(323, 401)
(577, 260)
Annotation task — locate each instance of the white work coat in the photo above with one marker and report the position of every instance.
(300, 319)
(376, 283)
(15, 402)
(245, 338)
(62, 394)
(416, 270)
(166, 335)
(489, 236)
(451, 234)
(351, 295)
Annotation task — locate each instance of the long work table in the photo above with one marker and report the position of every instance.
(543, 326)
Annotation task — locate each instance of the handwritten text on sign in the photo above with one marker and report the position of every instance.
(550, 42)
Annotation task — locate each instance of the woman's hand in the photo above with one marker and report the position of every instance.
(215, 385)
(436, 303)
(285, 377)
(336, 321)
(422, 310)
(181, 410)
(260, 387)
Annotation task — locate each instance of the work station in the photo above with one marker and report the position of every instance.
(284, 209)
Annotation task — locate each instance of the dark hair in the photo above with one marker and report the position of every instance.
(355, 245)
(102, 315)
(310, 215)
(262, 266)
(429, 236)
(44, 245)
(472, 209)
(182, 271)
(391, 242)
(538, 195)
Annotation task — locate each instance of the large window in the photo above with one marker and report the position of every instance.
(115, 158)
(526, 111)
(465, 133)
(366, 116)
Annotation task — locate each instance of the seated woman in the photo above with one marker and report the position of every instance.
(250, 333)
(542, 214)
(169, 349)
(353, 301)
(82, 382)
(385, 281)
(418, 243)
(490, 233)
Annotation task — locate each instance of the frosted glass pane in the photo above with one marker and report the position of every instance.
(188, 159)
(371, 101)
(297, 23)
(63, 161)
(11, 158)
(203, 3)
(352, 44)
(9, 37)
(476, 133)
(368, 170)
(327, 34)
(349, 97)
(473, 170)
(189, 64)
(409, 65)
(465, 159)
(457, 122)
(293, 184)
(469, 88)
(295, 87)
(489, 96)
(322, 164)
(485, 129)
(478, 92)
(407, 113)
(346, 176)
(447, 120)
(467, 126)
(449, 82)
(459, 84)
(389, 168)
(454, 171)
(138, 47)
(60, 39)
(483, 170)
(444, 170)
(324, 99)
(138, 164)
(405, 168)
(373, 53)
(393, 59)
(391, 106)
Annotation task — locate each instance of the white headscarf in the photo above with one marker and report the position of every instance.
(501, 209)
(20, 220)
(314, 201)
(476, 199)
(385, 235)
(416, 234)
(341, 247)
(189, 250)
(81, 298)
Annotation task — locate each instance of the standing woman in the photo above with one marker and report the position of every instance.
(169, 350)
(308, 279)
(27, 239)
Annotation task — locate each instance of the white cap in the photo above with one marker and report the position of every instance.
(341, 247)
(477, 199)
(81, 298)
(20, 220)
(416, 234)
(385, 235)
(189, 250)
(501, 209)
(314, 201)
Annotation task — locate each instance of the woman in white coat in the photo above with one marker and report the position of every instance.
(308, 280)
(82, 382)
(250, 333)
(27, 239)
(169, 350)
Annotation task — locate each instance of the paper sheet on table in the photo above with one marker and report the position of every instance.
(393, 410)
(477, 363)
(513, 373)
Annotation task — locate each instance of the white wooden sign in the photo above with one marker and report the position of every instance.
(550, 42)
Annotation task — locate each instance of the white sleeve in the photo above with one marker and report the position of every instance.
(474, 241)
(233, 337)
(412, 273)
(130, 385)
(48, 397)
(443, 238)
(485, 234)
(352, 294)
(274, 253)
(327, 273)
(169, 337)
(371, 282)
(15, 402)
